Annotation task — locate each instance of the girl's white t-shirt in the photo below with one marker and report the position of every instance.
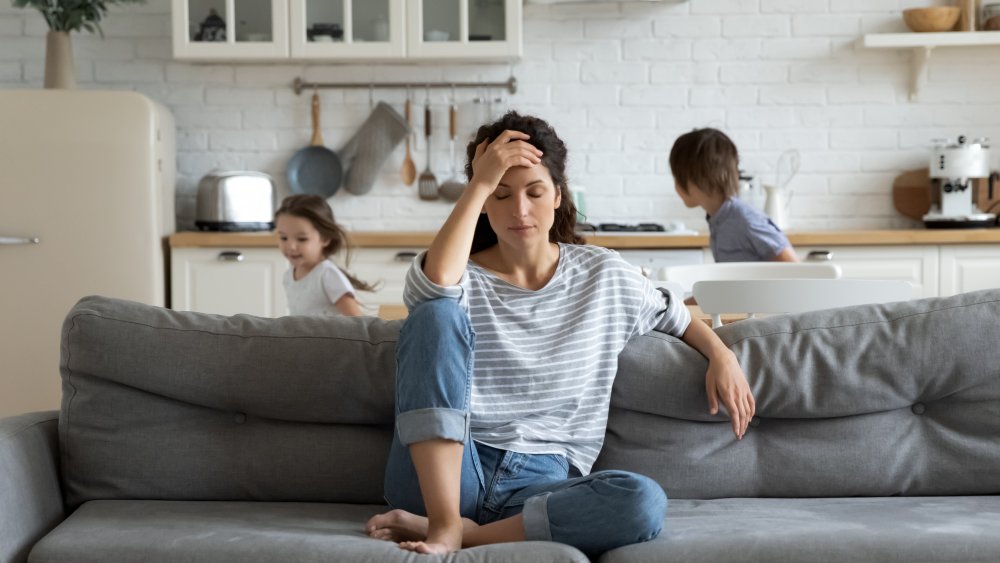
(316, 293)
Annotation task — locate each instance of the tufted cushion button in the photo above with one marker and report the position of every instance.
(239, 418)
(755, 422)
(918, 408)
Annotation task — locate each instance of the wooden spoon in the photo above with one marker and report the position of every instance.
(409, 171)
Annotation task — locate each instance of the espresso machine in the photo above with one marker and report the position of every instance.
(953, 167)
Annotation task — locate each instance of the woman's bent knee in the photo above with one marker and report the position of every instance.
(436, 327)
(643, 505)
(433, 366)
(437, 312)
(610, 509)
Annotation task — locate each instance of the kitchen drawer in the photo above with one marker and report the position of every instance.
(228, 281)
(915, 264)
(969, 268)
(386, 266)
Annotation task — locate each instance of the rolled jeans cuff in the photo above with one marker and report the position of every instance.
(420, 425)
(536, 518)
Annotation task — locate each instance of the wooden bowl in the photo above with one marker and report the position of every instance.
(939, 18)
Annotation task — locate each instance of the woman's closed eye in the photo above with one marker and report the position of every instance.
(531, 194)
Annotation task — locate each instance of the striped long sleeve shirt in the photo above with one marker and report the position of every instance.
(545, 360)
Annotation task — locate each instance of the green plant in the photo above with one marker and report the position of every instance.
(73, 15)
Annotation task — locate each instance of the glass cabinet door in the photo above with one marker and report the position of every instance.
(347, 28)
(481, 29)
(230, 29)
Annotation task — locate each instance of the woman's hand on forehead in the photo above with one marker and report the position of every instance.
(494, 158)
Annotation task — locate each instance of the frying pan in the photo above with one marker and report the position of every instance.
(315, 170)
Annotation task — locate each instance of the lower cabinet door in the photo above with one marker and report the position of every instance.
(228, 281)
(384, 267)
(969, 268)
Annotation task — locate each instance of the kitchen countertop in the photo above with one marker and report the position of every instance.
(396, 312)
(369, 239)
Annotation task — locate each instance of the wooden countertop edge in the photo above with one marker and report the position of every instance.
(422, 239)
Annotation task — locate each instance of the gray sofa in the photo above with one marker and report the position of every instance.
(191, 437)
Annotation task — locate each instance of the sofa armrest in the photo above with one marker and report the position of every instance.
(31, 501)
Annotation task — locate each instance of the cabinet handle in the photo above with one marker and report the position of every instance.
(405, 256)
(819, 256)
(19, 240)
(230, 256)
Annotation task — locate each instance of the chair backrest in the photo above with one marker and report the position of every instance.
(671, 286)
(688, 275)
(716, 297)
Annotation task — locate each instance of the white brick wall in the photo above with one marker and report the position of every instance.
(620, 81)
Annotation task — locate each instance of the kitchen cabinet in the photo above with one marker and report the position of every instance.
(942, 263)
(230, 29)
(969, 268)
(231, 280)
(228, 281)
(347, 29)
(387, 30)
(916, 264)
(383, 266)
(462, 29)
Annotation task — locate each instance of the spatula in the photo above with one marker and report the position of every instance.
(427, 187)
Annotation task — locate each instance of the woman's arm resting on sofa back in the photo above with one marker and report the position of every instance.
(724, 380)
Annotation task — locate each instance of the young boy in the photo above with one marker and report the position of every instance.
(705, 164)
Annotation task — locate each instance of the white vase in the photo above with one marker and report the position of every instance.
(59, 71)
(776, 205)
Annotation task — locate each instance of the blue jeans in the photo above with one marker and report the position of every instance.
(601, 511)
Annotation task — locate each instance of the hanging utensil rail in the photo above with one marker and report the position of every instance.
(299, 85)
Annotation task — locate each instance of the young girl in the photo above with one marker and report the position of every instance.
(308, 236)
(506, 361)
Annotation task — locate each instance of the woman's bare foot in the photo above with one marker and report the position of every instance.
(398, 526)
(402, 526)
(441, 539)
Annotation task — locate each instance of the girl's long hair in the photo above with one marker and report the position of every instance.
(314, 209)
(544, 137)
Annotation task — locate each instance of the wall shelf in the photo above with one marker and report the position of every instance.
(923, 44)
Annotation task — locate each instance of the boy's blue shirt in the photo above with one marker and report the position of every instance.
(740, 233)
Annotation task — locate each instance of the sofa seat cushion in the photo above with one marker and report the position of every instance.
(220, 532)
(911, 529)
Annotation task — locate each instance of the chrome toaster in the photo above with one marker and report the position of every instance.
(235, 201)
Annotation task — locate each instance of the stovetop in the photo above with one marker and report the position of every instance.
(673, 228)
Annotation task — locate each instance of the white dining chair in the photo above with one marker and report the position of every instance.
(718, 297)
(673, 287)
(687, 275)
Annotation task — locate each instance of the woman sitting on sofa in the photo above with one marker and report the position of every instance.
(506, 362)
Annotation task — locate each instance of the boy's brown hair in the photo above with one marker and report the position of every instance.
(708, 159)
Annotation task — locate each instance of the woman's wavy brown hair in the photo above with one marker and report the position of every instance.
(314, 209)
(544, 137)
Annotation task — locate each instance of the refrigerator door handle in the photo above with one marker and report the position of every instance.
(18, 240)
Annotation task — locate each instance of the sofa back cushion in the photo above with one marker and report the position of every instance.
(161, 404)
(896, 399)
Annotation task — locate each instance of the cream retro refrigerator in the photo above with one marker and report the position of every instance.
(86, 201)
